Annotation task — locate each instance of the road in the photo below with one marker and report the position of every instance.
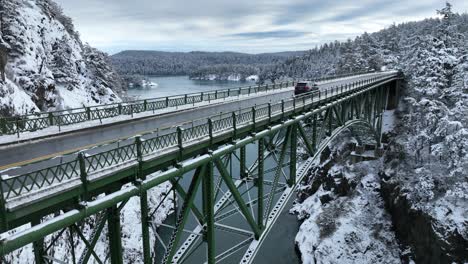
(22, 153)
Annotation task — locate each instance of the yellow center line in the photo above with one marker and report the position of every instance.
(65, 152)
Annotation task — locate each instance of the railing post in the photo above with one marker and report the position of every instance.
(210, 130)
(180, 140)
(3, 211)
(254, 113)
(119, 106)
(282, 108)
(88, 113)
(83, 175)
(185, 99)
(269, 113)
(138, 148)
(51, 119)
(216, 94)
(145, 105)
(167, 102)
(201, 97)
(294, 105)
(3, 125)
(234, 124)
(229, 93)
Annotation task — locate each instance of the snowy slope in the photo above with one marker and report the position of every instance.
(348, 229)
(48, 62)
(61, 250)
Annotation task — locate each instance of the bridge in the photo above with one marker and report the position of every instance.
(228, 176)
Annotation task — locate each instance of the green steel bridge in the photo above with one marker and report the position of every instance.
(243, 165)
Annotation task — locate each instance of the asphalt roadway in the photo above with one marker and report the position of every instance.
(22, 153)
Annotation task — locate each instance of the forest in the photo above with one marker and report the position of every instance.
(196, 64)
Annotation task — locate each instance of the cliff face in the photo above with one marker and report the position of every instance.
(48, 67)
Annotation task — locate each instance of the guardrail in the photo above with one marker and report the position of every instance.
(85, 165)
(39, 121)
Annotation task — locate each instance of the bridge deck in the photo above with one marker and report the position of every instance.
(99, 168)
(40, 189)
(57, 145)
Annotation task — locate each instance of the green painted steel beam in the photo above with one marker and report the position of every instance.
(293, 156)
(193, 207)
(260, 178)
(183, 216)
(243, 165)
(114, 234)
(38, 246)
(208, 209)
(286, 141)
(88, 251)
(303, 135)
(12, 242)
(235, 193)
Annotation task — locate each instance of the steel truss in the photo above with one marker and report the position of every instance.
(236, 186)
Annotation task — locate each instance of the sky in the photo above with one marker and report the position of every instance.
(250, 26)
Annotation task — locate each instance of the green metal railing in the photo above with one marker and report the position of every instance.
(202, 151)
(34, 122)
(39, 121)
(85, 165)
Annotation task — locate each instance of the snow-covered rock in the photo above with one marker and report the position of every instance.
(48, 63)
(354, 228)
(130, 227)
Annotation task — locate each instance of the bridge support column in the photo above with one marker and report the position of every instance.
(115, 242)
(145, 227)
(143, 205)
(208, 208)
(38, 246)
(261, 171)
(243, 166)
(393, 95)
(293, 156)
(314, 133)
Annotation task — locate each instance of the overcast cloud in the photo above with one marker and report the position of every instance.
(237, 25)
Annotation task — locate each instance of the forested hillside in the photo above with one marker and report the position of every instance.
(389, 48)
(46, 65)
(197, 64)
(424, 179)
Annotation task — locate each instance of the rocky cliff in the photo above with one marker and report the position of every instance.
(47, 65)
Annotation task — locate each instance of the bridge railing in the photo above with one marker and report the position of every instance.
(343, 75)
(81, 169)
(39, 121)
